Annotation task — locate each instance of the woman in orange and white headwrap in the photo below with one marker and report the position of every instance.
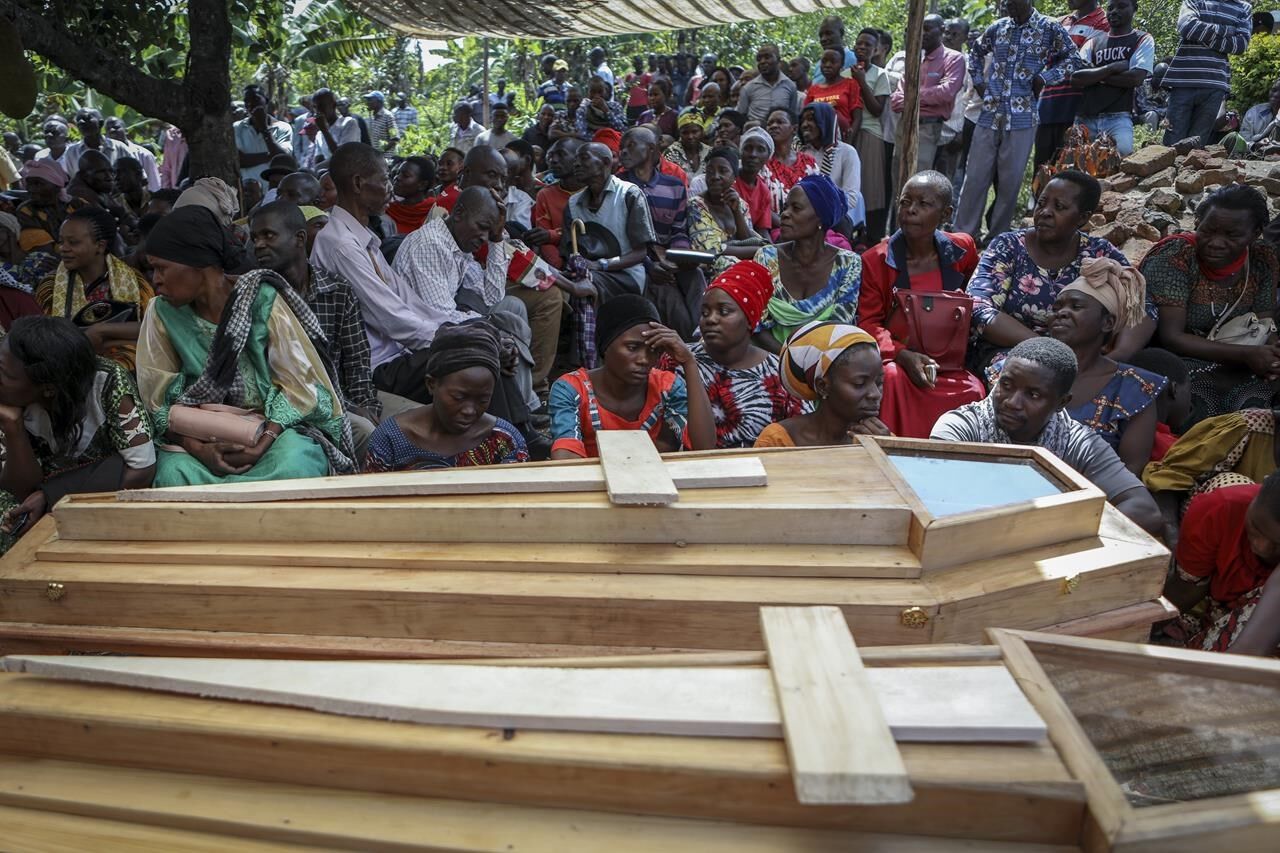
(838, 367)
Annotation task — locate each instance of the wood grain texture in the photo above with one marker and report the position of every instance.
(633, 471)
(727, 472)
(243, 813)
(943, 704)
(1011, 792)
(841, 747)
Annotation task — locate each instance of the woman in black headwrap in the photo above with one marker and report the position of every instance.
(627, 391)
(453, 430)
(251, 342)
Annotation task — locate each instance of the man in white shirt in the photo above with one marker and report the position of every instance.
(259, 135)
(599, 61)
(382, 125)
(329, 130)
(401, 315)
(497, 136)
(89, 122)
(465, 129)
(115, 129)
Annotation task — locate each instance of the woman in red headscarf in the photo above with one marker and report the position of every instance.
(741, 378)
(919, 259)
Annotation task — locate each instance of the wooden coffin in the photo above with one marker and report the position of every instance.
(287, 572)
(86, 766)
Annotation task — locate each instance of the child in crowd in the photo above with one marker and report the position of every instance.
(843, 94)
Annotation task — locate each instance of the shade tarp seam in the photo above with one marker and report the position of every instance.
(557, 19)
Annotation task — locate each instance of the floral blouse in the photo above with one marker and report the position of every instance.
(706, 234)
(1008, 281)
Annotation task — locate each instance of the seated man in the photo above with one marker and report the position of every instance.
(622, 210)
(438, 262)
(1228, 549)
(676, 292)
(1027, 405)
(279, 234)
(400, 323)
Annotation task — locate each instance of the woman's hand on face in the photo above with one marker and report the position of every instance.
(870, 426)
(662, 339)
(916, 365)
(730, 198)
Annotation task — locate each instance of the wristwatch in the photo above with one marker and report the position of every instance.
(604, 263)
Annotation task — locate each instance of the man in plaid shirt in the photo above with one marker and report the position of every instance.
(279, 234)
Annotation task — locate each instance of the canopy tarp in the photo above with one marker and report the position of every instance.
(557, 19)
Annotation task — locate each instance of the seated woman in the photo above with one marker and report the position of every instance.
(71, 421)
(836, 367)
(1229, 548)
(413, 202)
(1229, 450)
(627, 392)
(92, 285)
(918, 258)
(718, 217)
(1202, 280)
(788, 164)
(1113, 399)
(1021, 272)
(689, 151)
(659, 114)
(1026, 406)
(833, 157)
(250, 343)
(812, 280)
(453, 430)
(741, 379)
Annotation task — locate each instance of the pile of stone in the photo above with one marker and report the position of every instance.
(1157, 190)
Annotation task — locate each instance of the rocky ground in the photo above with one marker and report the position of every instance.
(1157, 189)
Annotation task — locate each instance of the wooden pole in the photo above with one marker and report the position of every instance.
(910, 120)
(484, 95)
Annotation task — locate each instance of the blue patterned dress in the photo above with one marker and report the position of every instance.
(1126, 395)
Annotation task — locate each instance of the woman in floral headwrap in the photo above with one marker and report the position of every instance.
(741, 379)
(836, 366)
(811, 279)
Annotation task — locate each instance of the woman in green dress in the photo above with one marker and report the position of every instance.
(249, 342)
(71, 423)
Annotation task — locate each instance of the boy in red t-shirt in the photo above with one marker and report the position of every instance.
(842, 93)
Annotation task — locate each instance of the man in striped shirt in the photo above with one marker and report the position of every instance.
(1199, 77)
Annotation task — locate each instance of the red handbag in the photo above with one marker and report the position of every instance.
(937, 324)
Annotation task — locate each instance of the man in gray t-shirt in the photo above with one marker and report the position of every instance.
(1027, 406)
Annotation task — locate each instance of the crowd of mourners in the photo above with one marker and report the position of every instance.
(718, 256)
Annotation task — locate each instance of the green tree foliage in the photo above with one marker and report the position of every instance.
(1255, 71)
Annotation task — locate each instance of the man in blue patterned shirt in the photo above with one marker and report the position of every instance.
(1028, 52)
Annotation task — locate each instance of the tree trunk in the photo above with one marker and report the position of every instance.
(199, 104)
(212, 148)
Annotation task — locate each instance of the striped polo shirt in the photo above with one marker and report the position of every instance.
(1209, 29)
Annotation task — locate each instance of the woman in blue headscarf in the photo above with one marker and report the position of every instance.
(839, 161)
(812, 280)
